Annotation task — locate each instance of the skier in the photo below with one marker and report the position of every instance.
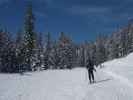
(90, 68)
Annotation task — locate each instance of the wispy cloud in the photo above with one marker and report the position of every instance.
(41, 14)
(48, 2)
(83, 10)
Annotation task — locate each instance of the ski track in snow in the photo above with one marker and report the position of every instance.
(116, 87)
(123, 79)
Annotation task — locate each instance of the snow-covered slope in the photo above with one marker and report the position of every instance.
(116, 80)
(122, 67)
(113, 82)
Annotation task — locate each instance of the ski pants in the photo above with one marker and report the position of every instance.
(91, 75)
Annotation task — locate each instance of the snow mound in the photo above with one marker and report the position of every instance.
(122, 66)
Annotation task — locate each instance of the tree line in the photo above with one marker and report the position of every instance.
(29, 51)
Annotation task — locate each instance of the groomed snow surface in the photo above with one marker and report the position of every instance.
(113, 82)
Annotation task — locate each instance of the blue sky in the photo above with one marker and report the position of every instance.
(81, 19)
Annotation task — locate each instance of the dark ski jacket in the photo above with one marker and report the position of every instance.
(90, 66)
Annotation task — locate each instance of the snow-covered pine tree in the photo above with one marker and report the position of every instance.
(18, 49)
(40, 41)
(100, 50)
(66, 52)
(77, 56)
(29, 39)
(114, 49)
(123, 45)
(92, 52)
(7, 53)
(4, 41)
(40, 52)
(81, 54)
(11, 58)
(48, 47)
(54, 56)
(86, 52)
(130, 37)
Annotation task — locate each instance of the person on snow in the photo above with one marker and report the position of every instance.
(91, 69)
